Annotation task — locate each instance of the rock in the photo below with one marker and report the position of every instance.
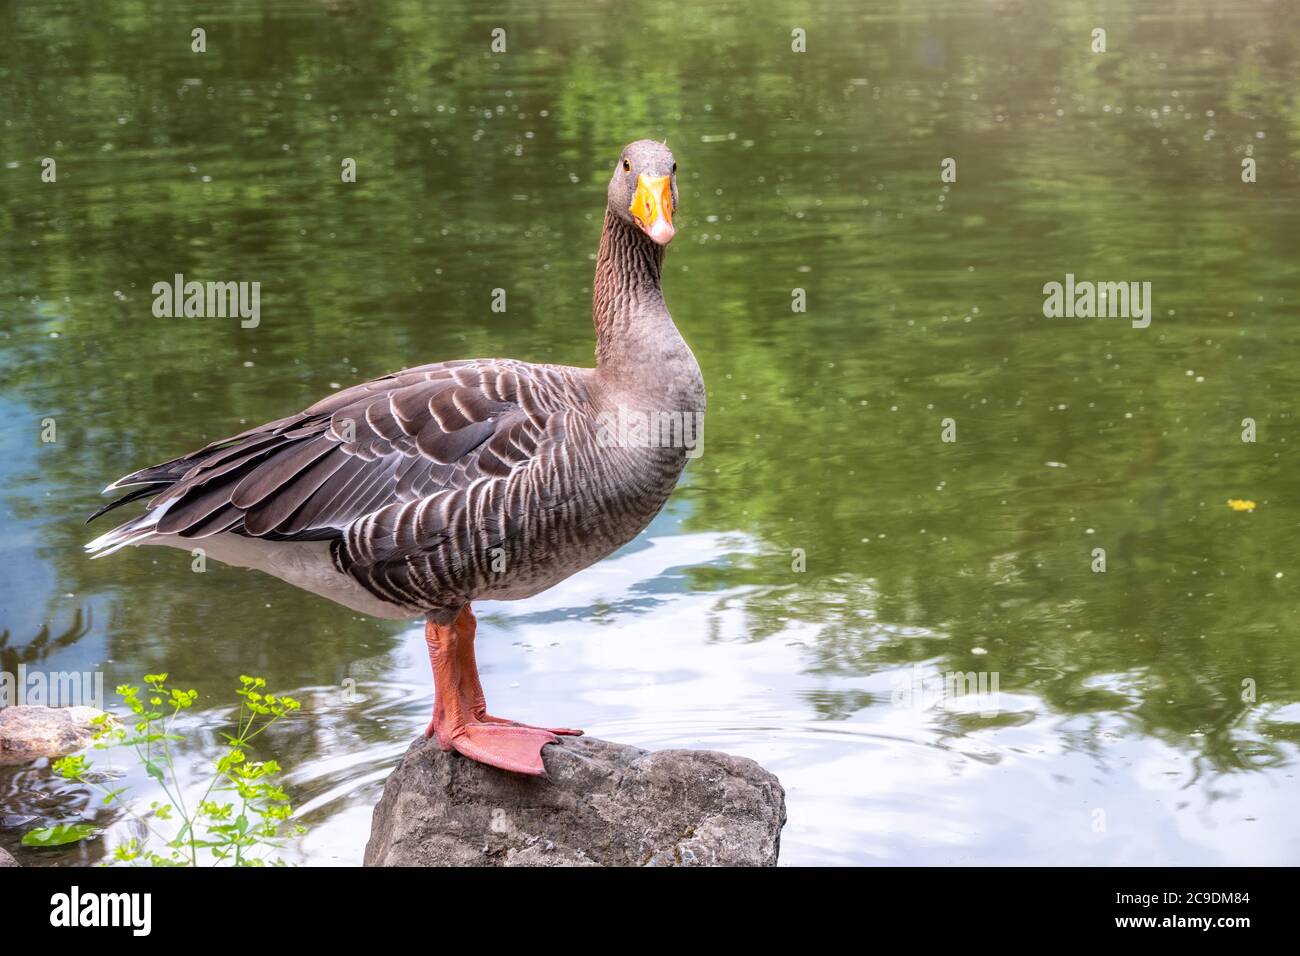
(6, 859)
(600, 804)
(29, 732)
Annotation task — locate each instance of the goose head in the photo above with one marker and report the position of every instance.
(643, 189)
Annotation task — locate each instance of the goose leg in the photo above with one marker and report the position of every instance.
(459, 709)
(470, 666)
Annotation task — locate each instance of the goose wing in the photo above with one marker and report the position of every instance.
(435, 454)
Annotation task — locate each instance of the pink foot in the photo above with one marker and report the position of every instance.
(517, 749)
(460, 718)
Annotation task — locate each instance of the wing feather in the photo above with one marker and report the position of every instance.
(391, 468)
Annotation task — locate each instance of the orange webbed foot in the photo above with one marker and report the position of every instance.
(514, 748)
(460, 718)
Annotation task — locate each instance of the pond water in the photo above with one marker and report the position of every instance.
(830, 557)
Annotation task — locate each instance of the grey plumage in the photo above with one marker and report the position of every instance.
(450, 482)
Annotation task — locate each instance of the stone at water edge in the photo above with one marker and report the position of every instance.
(29, 732)
(6, 859)
(600, 803)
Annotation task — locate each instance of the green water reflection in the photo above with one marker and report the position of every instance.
(818, 172)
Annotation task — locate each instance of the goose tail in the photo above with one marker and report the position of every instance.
(132, 532)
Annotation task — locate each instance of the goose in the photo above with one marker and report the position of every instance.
(428, 489)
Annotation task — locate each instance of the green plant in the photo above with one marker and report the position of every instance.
(238, 831)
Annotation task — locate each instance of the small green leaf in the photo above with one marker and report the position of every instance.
(59, 835)
(71, 768)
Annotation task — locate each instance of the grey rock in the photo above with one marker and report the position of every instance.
(6, 859)
(29, 732)
(600, 804)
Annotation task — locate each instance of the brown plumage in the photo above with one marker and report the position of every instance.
(429, 488)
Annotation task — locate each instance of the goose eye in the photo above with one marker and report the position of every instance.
(627, 167)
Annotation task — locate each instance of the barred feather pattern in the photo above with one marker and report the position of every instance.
(455, 481)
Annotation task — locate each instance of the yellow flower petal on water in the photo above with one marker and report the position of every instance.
(1239, 504)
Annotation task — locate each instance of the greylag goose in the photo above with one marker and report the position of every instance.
(423, 491)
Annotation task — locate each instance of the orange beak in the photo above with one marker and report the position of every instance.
(652, 207)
